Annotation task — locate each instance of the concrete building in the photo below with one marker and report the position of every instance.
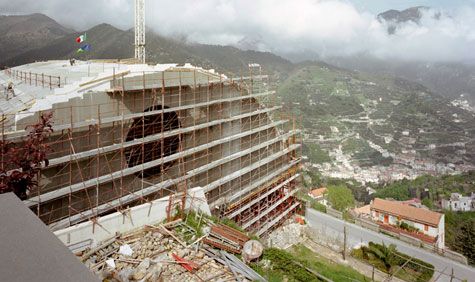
(429, 225)
(457, 202)
(126, 134)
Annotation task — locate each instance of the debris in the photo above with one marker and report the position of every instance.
(300, 220)
(226, 238)
(286, 236)
(188, 265)
(159, 253)
(111, 263)
(252, 250)
(126, 250)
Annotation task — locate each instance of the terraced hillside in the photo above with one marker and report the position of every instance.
(377, 127)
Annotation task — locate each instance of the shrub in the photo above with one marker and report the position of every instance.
(22, 162)
(387, 259)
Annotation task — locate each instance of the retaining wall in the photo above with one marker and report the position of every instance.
(89, 234)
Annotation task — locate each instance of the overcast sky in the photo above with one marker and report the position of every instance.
(327, 27)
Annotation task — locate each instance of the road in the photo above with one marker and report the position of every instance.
(356, 235)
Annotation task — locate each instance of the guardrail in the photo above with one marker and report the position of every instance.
(415, 241)
(36, 79)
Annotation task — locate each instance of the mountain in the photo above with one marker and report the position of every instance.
(451, 80)
(366, 126)
(394, 18)
(252, 43)
(413, 14)
(109, 42)
(28, 32)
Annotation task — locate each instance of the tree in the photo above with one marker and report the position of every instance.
(340, 197)
(22, 161)
(428, 203)
(465, 240)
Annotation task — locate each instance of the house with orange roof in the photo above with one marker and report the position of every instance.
(423, 224)
(318, 194)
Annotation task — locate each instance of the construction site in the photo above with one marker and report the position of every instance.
(126, 134)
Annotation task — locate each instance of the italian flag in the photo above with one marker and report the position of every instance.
(81, 38)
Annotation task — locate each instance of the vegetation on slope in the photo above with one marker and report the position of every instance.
(438, 187)
(375, 108)
(389, 260)
(301, 264)
(340, 197)
(315, 153)
(460, 233)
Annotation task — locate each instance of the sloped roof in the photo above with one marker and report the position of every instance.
(407, 212)
(363, 210)
(29, 251)
(318, 192)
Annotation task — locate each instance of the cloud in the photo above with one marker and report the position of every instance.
(327, 27)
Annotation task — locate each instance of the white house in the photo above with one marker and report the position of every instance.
(457, 202)
(319, 195)
(430, 225)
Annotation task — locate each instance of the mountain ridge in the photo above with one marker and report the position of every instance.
(28, 32)
(109, 42)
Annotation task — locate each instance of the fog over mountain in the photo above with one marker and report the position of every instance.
(327, 28)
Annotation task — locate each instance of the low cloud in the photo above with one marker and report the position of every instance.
(327, 27)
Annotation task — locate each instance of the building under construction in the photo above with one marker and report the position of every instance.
(126, 134)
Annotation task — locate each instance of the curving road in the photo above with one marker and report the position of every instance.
(356, 235)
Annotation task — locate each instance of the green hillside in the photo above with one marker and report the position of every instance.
(393, 113)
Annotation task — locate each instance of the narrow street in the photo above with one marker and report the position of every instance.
(333, 228)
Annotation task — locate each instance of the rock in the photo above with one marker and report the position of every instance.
(182, 253)
(157, 271)
(145, 264)
(200, 255)
(139, 274)
(126, 274)
(286, 236)
(106, 274)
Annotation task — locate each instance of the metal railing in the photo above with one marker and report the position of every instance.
(36, 79)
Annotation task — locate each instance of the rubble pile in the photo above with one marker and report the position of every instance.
(156, 253)
(226, 238)
(289, 234)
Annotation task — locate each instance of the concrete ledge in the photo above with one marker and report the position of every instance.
(455, 256)
(411, 240)
(367, 224)
(89, 234)
(334, 213)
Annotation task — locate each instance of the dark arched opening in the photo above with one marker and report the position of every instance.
(144, 153)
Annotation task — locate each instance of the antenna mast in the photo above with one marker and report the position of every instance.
(140, 31)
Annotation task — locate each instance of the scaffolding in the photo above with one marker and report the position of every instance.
(151, 134)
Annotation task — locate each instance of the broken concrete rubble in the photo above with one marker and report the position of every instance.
(289, 234)
(156, 253)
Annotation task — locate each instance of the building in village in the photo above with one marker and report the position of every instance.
(458, 202)
(422, 224)
(319, 195)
